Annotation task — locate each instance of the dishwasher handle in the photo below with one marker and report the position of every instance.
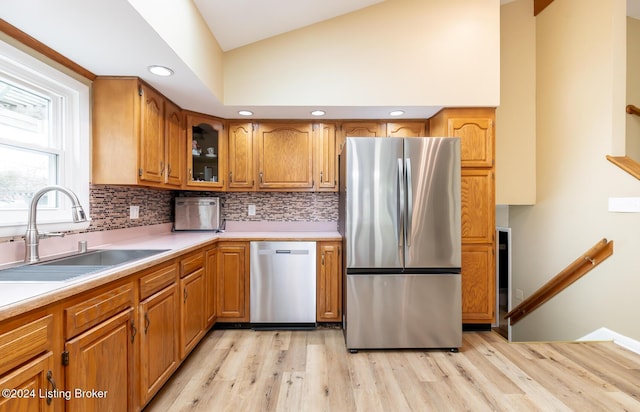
(284, 252)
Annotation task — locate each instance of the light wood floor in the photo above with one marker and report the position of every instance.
(244, 370)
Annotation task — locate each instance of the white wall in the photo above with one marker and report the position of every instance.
(516, 116)
(399, 52)
(580, 72)
(192, 42)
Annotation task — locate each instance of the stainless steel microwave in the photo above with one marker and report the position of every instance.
(197, 213)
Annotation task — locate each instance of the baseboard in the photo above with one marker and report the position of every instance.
(607, 334)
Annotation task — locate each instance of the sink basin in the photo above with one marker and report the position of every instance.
(104, 257)
(67, 268)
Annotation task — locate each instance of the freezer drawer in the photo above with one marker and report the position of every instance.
(403, 311)
(283, 282)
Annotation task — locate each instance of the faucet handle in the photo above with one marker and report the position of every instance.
(50, 234)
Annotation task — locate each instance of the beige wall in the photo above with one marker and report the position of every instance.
(399, 52)
(193, 42)
(516, 116)
(580, 92)
(632, 148)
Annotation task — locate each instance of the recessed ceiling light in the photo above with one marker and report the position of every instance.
(318, 113)
(245, 113)
(396, 113)
(160, 70)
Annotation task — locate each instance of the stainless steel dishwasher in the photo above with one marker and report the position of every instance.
(283, 282)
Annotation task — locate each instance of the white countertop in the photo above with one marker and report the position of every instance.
(20, 297)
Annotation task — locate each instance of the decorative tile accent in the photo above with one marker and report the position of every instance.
(281, 206)
(110, 206)
(276, 206)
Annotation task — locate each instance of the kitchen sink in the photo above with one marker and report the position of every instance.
(70, 267)
(104, 257)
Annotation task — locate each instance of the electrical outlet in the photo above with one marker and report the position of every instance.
(252, 210)
(134, 212)
(519, 294)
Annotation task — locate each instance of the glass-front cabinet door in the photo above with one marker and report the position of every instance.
(206, 154)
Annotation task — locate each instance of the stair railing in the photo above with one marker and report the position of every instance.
(581, 266)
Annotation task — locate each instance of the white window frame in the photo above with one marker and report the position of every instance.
(75, 129)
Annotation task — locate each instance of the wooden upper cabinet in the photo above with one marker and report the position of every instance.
(407, 129)
(241, 160)
(285, 156)
(476, 130)
(206, 152)
(174, 144)
(326, 164)
(359, 129)
(133, 126)
(151, 136)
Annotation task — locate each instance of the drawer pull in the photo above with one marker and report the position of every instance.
(134, 331)
(53, 387)
(147, 322)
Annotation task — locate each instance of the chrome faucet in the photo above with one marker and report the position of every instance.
(32, 237)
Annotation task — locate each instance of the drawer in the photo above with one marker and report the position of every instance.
(25, 342)
(157, 280)
(88, 313)
(191, 263)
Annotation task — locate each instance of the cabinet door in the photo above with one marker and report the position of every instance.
(329, 282)
(326, 158)
(406, 129)
(35, 380)
(233, 282)
(207, 152)
(191, 311)
(152, 136)
(241, 161)
(478, 284)
(476, 140)
(285, 156)
(174, 143)
(158, 340)
(477, 206)
(476, 129)
(211, 287)
(359, 129)
(101, 359)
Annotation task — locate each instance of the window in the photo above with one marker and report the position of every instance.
(44, 140)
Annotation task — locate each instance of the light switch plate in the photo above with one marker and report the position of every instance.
(134, 212)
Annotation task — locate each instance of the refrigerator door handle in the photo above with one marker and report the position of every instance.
(409, 200)
(400, 204)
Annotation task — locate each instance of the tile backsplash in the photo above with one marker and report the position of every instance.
(110, 206)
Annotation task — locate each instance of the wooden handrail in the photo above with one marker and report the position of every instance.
(592, 258)
(631, 109)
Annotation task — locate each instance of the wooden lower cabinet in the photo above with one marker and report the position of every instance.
(100, 363)
(192, 301)
(211, 287)
(31, 386)
(478, 284)
(233, 282)
(158, 321)
(329, 282)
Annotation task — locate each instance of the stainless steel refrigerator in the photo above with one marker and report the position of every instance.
(400, 221)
